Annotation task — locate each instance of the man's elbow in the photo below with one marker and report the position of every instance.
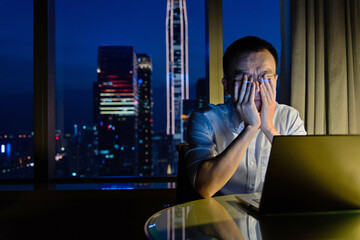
(203, 191)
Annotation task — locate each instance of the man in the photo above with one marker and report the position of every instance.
(230, 143)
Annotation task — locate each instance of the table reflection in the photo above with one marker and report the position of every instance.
(211, 220)
(224, 218)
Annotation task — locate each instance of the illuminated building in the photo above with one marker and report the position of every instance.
(115, 109)
(177, 67)
(16, 156)
(144, 123)
(77, 155)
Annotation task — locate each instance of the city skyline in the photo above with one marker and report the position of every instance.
(83, 26)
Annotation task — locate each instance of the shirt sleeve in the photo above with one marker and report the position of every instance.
(201, 143)
(296, 124)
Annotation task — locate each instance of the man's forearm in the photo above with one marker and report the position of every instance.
(214, 173)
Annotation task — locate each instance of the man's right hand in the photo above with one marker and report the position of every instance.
(244, 94)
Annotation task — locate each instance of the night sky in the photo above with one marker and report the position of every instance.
(83, 25)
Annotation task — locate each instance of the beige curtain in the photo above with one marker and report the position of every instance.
(320, 71)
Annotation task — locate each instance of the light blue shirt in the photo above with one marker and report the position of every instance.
(212, 128)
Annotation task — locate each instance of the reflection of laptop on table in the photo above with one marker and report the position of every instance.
(310, 173)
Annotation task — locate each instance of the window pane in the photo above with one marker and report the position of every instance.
(111, 86)
(259, 18)
(16, 91)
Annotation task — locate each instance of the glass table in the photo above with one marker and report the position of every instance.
(225, 218)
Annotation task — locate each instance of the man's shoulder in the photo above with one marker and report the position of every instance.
(285, 114)
(282, 109)
(288, 121)
(212, 108)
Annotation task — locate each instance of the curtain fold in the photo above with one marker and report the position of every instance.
(321, 50)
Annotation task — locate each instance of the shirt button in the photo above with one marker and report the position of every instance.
(251, 163)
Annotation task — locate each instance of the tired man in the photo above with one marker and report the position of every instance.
(230, 143)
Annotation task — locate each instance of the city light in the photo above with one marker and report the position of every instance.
(152, 225)
(58, 157)
(104, 152)
(112, 76)
(2, 148)
(184, 116)
(117, 186)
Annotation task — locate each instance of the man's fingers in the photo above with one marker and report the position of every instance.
(236, 91)
(270, 87)
(248, 89)
(243, 88)
(252, 92)
(264, 94)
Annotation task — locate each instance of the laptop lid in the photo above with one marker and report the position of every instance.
(312, 173)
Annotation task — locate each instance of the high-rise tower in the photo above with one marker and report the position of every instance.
(115, 109)
(145, 121)
(177, 67)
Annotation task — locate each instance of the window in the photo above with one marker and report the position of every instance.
(259, 18)
(111, 87)
(81, 29)
(16, 91)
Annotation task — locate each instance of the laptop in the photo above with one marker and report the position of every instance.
(309, 173)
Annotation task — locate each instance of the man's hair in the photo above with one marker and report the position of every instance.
(247, 45)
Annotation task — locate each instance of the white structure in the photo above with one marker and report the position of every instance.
(177, 67)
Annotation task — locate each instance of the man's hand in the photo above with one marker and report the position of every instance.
(268, 99)
(244, 94)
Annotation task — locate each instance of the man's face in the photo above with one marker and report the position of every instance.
(256, 64)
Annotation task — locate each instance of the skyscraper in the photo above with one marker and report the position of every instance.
(145, 118)
(177, 67)
(115, 109)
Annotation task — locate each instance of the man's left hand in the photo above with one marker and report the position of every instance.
(268, 99)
